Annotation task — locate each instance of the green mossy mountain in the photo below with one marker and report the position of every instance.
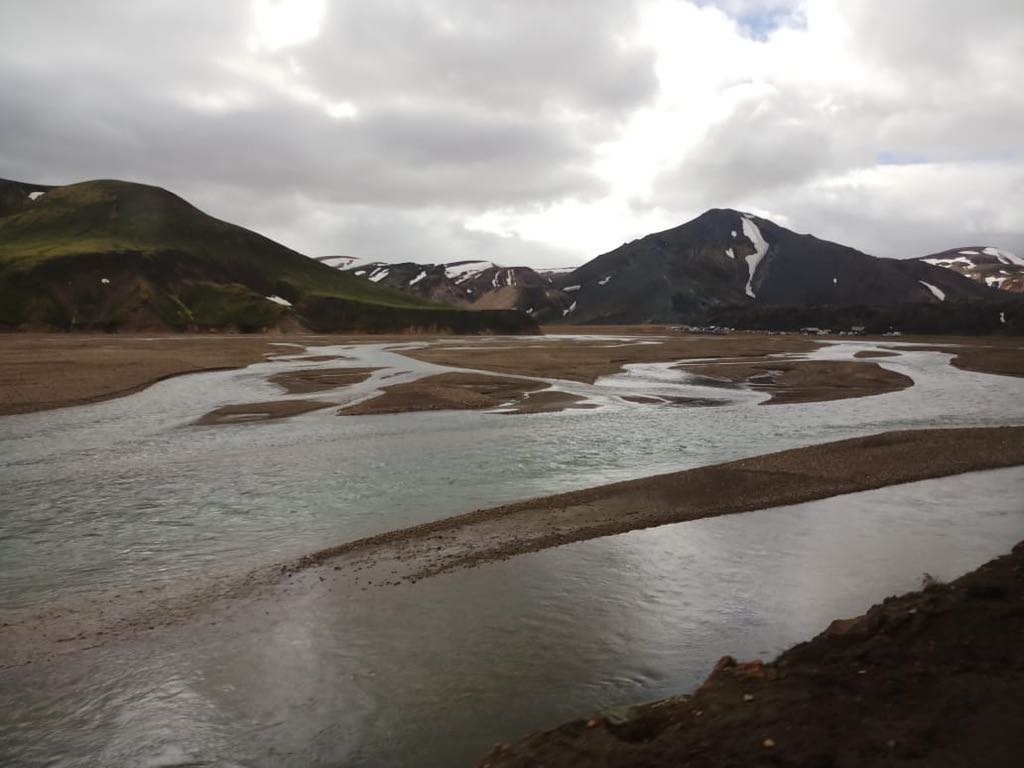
(113, 255)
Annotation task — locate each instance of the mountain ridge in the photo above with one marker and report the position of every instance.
(723, 258)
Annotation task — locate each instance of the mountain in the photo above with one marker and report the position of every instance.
(116, 255)
(725, 258)
(474, 284)
(989, 266)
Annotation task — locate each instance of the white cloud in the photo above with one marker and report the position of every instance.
(844, 117)
(284, 23)
(540, 131)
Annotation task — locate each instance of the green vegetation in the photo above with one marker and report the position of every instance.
(107, 254)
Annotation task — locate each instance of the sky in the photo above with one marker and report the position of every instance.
(531, 132)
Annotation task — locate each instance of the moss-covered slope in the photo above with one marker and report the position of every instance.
(116, 255)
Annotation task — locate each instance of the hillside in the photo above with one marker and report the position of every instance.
(116, 255)
(725, 258)
(992, 267)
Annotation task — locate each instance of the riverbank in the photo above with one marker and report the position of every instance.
(771, 480)
(934, 678)
(40, 372)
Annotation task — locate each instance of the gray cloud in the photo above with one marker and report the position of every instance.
(524, 56)
(448, 109)
(773, 140)
(457, 104)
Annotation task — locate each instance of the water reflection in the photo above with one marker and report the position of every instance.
(433, 673)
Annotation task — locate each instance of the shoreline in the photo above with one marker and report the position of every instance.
(761, 482)
(911, 681)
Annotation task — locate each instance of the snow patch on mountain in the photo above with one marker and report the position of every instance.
(604, 280)
(510, 278)
(940, 295)
(343, 262)
(379, 274)
(279, 300)
(418, 277)
(753, 234)
(460, 271)
(33, 196)
(1005, 256)
(729, 253)
(570, 309)
(947, 263)
(571, 288)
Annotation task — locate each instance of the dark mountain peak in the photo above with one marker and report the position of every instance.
(722, 214)
(729, 257)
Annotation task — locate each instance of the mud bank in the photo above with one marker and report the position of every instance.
(806, 381)
(934, 678)
(465, 392)
(306, 382)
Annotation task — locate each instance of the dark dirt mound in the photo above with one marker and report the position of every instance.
(932, 678)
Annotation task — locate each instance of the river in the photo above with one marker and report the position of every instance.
(104, 503)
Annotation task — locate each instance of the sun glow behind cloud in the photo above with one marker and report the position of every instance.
(284, 23)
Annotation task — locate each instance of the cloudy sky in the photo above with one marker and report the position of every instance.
(539, 132)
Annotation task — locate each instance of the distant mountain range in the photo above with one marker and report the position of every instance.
(989, 266)
(116, 255)
(722, 259)
(113, 255)
(473, 284)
